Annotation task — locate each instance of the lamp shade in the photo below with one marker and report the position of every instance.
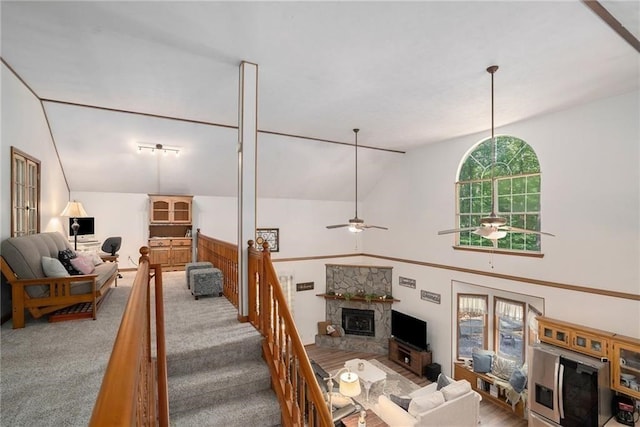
(74, 210)
(349, 384)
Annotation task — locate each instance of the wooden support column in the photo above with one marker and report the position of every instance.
(247, 147)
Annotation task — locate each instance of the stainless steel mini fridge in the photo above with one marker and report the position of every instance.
(568, 389)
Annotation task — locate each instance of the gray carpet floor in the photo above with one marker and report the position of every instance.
(50, 373)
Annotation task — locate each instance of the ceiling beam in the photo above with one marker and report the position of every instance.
(612, 22)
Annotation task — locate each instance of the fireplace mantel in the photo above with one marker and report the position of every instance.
(359, 298)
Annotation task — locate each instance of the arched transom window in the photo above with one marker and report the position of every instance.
(517, 193)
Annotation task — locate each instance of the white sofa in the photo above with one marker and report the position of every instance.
(454, 405)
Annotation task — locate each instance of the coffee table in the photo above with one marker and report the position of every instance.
(367, 372)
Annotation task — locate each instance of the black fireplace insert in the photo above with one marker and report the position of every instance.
(358, 322)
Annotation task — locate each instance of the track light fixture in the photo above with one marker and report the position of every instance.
(158, 148)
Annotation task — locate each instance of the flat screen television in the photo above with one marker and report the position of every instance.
(409, 330)
(87, 227)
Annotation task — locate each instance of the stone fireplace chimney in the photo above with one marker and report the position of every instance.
(356, 299)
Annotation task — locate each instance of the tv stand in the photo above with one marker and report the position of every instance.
(409, 357)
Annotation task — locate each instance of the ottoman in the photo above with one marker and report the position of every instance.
(205, 281)
(192, 266)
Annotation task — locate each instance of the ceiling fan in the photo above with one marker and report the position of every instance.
(355, 224)
(493, 227)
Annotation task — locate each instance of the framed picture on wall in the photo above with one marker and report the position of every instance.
(269, 235)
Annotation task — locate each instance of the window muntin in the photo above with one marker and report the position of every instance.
(509, 329)
(472, 323)
(516, 173)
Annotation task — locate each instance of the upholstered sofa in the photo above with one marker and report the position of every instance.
(22, 261)
(455, 404)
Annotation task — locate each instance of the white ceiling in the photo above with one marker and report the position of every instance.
(405, 73)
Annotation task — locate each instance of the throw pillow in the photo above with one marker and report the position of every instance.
(94, 257)
(482, 360)
(83, 264)
(518, 380)
(443, 381)
(65, 258)
(503, 368)
(456, 389)
(425, 403)
(339, 401)
(53, 267)
(402, 402)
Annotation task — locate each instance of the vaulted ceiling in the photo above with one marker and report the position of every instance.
(406, 73)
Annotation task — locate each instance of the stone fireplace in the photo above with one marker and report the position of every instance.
(355, 299)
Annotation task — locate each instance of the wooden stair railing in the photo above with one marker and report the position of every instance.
(134, 388)
(222, 255)
(292, 378)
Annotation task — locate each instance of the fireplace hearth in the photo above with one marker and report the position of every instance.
(358, 322)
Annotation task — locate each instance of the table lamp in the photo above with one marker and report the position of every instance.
(74, 210)
(349, 385)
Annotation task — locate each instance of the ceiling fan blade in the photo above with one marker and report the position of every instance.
(524, 230)
(375, 226)
(456, 230)
(338, 225)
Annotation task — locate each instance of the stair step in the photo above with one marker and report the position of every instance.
(212, 387)
(229, 348)
(256, 409)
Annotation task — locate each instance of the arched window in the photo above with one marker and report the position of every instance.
(516, 192)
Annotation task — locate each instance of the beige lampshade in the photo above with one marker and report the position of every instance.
(74, 210)
(349, 384)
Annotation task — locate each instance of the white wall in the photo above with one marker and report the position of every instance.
(24, 127)
(591, 187)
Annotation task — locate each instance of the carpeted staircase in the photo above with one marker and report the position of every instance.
(217, 376)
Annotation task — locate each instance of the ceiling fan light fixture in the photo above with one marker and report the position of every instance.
(355, 224)
(355, 228)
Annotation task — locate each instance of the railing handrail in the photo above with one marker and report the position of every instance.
(127, 395)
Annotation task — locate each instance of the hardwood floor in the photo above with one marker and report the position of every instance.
(331, 359)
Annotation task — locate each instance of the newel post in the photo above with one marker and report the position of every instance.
(265, 292)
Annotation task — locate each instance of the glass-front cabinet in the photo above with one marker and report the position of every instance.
(170, 209)
(553, 333)
(595, 345)
(625, 366)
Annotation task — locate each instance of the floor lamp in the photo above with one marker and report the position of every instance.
(74, 210)
(349, 385)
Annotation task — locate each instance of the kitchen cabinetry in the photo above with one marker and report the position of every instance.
(170, 242)
(622, 352)
(625, 365)
(412, 359)
(583, 339)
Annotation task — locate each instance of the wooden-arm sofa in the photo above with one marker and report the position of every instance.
(21, 263)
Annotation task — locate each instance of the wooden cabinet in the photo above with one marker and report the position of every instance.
(483, 384)
(625, 365)
(414, 360)
(170, 209)
(583, 339)
(172, 254)
(170, 226)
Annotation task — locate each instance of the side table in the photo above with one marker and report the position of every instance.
(372, 420)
